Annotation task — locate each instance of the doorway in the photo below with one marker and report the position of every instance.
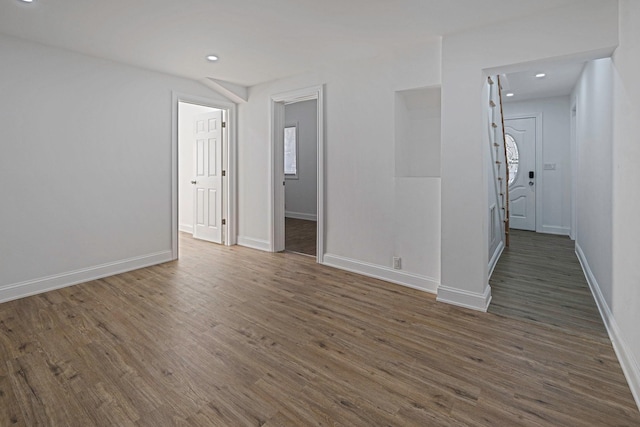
(279, 180)
(300, 172)
(201, 141)
(520, 139)
(203, 161)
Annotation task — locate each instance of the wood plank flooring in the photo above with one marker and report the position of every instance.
(237, 337)
(300, 236)
(539, 279)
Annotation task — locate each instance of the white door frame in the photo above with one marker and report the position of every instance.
(539, 166)
(573, 231)
(276, 173)
(229, 164)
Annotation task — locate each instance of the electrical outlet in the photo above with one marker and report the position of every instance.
(397, 263)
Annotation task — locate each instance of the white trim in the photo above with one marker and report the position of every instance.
(49, 283)
(573, 146)
(466, 299)
(495, 257)
(539, 166)
(492, 222)
(554, 229)
(276, 211)
(415, 281)
(230, 184)
(262, 245)
(628, 362)
(186, 228)
(301, 215)
(276, 174)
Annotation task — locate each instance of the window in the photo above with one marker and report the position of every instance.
(291, 152)
(513, 157)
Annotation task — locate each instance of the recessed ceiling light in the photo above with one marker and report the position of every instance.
(212, 58)
(540, 75)
(509, 94)
(27, 1)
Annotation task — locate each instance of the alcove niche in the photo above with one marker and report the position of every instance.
(417, 132)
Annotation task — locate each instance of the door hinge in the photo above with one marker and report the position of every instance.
(224, 124)
(224, 173)
(224, 222)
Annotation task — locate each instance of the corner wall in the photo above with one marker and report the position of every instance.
(85, 169)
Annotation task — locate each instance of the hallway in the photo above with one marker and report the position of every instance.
(539, 279)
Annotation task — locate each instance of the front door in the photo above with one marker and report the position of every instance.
(208, 180)
(521, 153)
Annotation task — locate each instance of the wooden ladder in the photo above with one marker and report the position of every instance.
(506, 167)
(503, 192)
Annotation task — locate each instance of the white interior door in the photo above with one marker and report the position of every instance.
(207, 221)
(521, 153)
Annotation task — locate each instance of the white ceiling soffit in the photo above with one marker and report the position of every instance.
(236, 93)
(256, 40)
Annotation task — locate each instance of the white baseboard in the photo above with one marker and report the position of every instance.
(466, 299)
(399, 277)
(496, 256)
(44, 284)
(627, 360)
(187, 228)
(262, 245)
(300, 215)
(552, 229)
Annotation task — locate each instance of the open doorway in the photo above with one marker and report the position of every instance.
(201, 142)
(203, 179)
(301, 178)
(297, 206)
(538, 278)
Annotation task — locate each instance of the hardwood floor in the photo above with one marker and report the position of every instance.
(234, 337)
(300, 236)
(539, 279)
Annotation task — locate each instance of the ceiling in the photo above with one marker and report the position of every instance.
(256, 40)
(560, 79)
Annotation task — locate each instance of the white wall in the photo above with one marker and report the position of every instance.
(586, 31)
(363, 199)
(593, 98)
(85, 166)
(417, 132)
(186, 162)
(607, 110)
(624, 296)
(554, 186)
(300, 193)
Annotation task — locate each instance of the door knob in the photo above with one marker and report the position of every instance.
(193, 182)
(531, 183)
